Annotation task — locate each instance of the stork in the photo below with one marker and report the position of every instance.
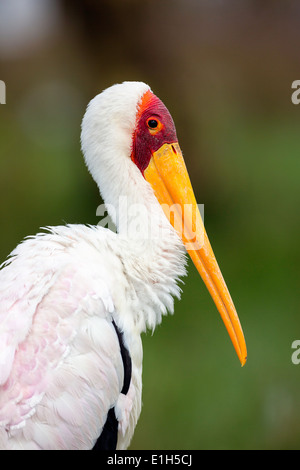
(75, 299)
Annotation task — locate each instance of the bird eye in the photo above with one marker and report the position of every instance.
(152, 123)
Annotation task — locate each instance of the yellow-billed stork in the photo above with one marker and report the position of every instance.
(75, 299)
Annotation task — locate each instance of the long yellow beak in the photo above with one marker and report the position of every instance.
(169, 178)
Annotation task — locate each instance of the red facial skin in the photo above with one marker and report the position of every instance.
(147, 140)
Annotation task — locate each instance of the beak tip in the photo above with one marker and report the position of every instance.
(243, 361)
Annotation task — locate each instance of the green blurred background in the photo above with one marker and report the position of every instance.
(224, 69)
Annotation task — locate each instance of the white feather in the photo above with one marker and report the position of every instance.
(60, 363)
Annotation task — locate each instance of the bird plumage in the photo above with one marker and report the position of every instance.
(64, 292)
(62, 369)
(60, 363)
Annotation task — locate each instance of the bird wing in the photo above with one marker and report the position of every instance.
(61, 368)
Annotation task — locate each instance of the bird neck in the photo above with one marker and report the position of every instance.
(154, 256)
(151, 252)
(134, 209)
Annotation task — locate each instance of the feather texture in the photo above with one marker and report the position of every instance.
(65, 369)
(61, 368)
